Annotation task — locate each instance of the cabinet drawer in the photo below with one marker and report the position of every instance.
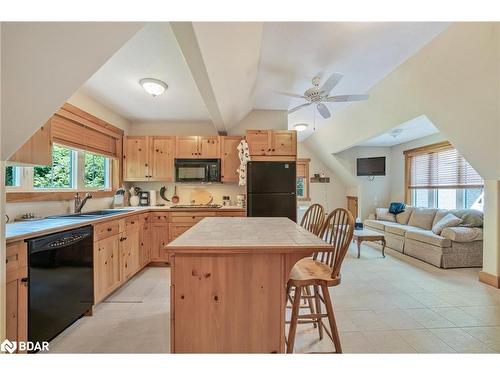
(106, 230)
(16, 261)
(189, 217)
(231, 213)
(159, 217)
(175, 230)
(132, 223)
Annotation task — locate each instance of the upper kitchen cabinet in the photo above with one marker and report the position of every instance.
(230, 160)
(148, 158)
(272, 142)
(197, 147)
(37, 150)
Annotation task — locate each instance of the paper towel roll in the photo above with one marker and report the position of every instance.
(152, 197)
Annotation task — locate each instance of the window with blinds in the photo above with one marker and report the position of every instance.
(438, 176)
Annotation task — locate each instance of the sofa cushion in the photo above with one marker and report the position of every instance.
(398, 229)
(449, 220)
(463, 234)
(384, 214)
(428, 237)
(377, 224)
(472, 218)
(404, 216)
(422, 218)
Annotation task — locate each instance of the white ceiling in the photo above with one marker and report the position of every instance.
(152, 52)
(410, 130)
(293, 53)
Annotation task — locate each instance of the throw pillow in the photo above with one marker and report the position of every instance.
(384, 214)
(397, 207)
(447, 221)
(472, 219)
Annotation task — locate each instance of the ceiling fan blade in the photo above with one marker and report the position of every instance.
(330, 83)
(299, 107)
(347, 98)
(290, 94)
(323, 110)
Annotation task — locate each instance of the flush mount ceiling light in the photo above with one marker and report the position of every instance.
(153, 86)
(396, 132)
(300, 127)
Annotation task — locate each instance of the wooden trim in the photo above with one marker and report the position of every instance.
(489, 279)
(110, 129)
(273, 158)
(428, 148)
(36, 196)
(306, 162)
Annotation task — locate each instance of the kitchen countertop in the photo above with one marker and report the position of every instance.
(21, 230)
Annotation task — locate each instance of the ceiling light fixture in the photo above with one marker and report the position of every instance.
(300, 127)
(396, 132)
(153, 86)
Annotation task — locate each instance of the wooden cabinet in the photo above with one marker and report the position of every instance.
(37, 150)
(16, 301)
(197, 147)
(130, 253)
(272, 142)
(144, 239)
(107, 273)
(159, 238)
(136, 158)
(148, 158)
(230, 160)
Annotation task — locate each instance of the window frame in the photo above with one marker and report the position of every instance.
(433, 193)
(305, 163)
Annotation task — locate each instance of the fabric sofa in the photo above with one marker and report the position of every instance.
(410, 233)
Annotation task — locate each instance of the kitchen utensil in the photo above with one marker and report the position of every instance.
(200, 196)
(163, 190)
(175, 197)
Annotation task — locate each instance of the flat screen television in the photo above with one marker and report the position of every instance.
(370, 166)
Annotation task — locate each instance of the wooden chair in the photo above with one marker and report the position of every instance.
(320, 272)
(313, 221)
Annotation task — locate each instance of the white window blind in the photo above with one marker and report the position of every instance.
(444, 168)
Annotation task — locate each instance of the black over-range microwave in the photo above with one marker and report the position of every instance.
(197, 170)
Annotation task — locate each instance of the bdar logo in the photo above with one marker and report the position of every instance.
(8, 346)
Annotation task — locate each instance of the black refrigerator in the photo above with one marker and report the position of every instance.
(271, 189)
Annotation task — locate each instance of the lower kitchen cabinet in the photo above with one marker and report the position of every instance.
(107, 273)
(159, 238)
(144, 239)
(16, 300)
(130, 253)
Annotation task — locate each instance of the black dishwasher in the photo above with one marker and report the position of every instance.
(60, 281)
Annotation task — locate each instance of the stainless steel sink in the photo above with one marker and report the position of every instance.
(90, 214)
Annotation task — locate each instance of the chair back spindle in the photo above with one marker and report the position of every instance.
(313, 219)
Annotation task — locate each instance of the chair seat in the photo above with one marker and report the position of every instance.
(308, 271)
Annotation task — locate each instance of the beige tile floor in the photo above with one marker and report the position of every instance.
(392, 305)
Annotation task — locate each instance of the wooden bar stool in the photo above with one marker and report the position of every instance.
(313, 221)
(320, 272)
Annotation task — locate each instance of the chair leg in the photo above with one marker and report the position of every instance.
(294, 320)
(331, 318)
(318, 309)
(307, 290)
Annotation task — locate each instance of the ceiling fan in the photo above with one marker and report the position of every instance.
(320, 95)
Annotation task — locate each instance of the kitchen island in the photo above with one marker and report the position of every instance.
(228, 283)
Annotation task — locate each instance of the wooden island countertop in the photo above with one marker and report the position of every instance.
(228, 283)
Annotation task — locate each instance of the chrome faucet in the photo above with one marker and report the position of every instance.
(79, 203)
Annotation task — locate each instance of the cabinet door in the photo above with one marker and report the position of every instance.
(187, 147)
(144, 240)
(284, 143)
(175, 230)
(129, 251)
(37, 150)
(159, 238)
(209, 148)
(230, 161)
(259, 142)
(106, 267)
(136, 158)
(162, 158)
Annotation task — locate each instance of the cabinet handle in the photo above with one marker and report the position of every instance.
(123, 239)
(273, 149)
(109, 229)
(24, 280)
(193, 217)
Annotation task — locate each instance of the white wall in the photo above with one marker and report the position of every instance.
(397, 176)
(261, 119)
(172, 128)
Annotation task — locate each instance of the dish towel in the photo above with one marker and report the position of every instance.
(244, 155)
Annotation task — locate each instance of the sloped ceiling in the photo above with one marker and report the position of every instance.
(43, 64)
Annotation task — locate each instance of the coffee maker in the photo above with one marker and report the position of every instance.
(144, 198)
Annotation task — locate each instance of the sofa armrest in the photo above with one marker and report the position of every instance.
(463, 234)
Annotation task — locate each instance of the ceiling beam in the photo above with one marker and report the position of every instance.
(186, 38)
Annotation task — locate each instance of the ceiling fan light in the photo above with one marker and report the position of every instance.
(300, 127)
(153, 86)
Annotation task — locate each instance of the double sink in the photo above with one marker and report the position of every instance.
(90, 214)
